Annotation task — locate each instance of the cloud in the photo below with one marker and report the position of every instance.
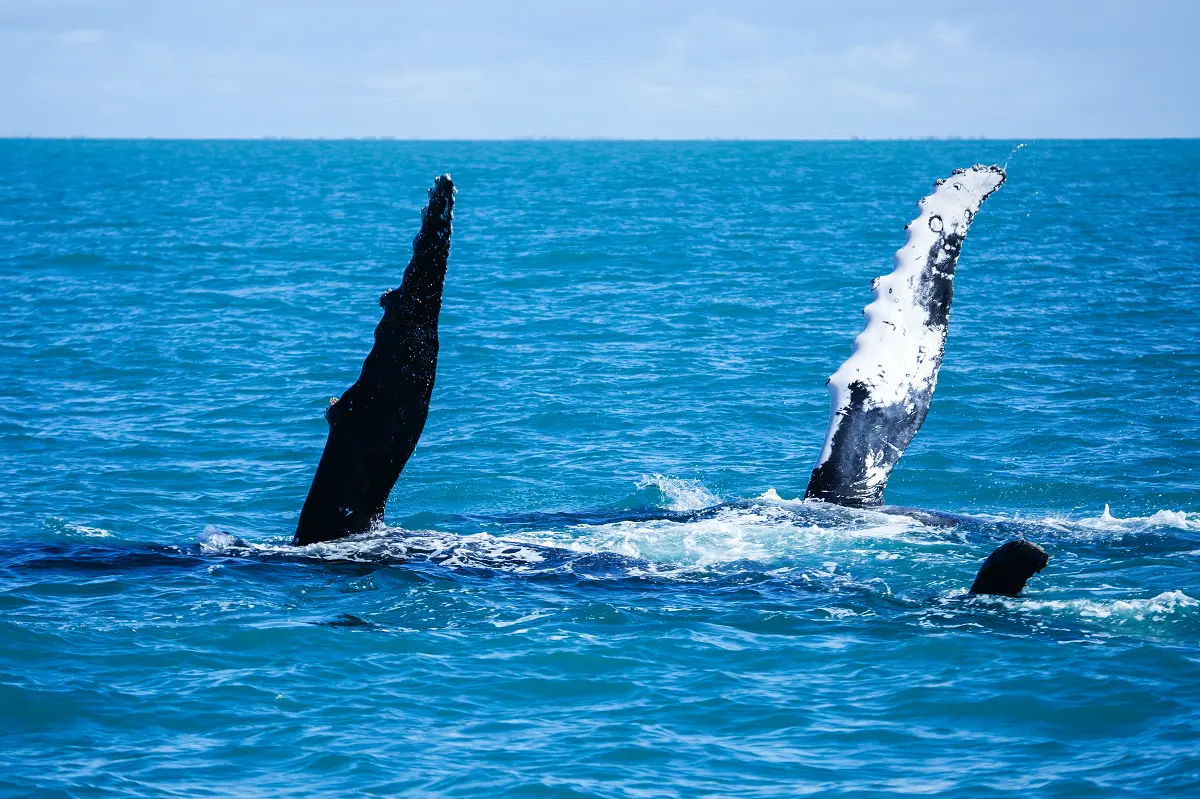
(427, 85)
(77, 37)
(623, 68)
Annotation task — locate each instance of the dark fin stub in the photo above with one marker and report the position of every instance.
(345, 620)
(1006, 570)
(881, 394)
(375, 425)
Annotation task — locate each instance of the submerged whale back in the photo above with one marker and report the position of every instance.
(881, 394)
(375, 425)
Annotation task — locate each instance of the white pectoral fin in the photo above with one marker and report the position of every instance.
(881, 394)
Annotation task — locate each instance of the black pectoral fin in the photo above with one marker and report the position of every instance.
(375, 425)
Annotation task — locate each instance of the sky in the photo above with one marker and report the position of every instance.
(487, 69)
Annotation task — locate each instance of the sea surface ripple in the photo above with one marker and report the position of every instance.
(596, 579)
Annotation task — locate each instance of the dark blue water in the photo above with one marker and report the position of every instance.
(596, 580)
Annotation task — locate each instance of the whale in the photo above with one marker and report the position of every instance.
(880, 395)
(1006, 571)
(375, 425)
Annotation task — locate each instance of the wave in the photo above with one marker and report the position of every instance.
(1120, 610)
(1101, 527)
(689, 535)
(1177, 519)
(677, 494)
(765, 532)
(806, 540)
(63, 528)
(693, 530)
(876, 560)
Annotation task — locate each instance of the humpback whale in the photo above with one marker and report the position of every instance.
(881, 394)
(374, 426)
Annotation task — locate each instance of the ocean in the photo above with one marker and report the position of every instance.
(598, 577)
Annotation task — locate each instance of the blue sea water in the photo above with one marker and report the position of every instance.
(596, 579)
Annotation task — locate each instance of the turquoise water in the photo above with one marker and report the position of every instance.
(596, 581)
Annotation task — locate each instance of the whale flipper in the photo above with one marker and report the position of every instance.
(1006, 570)
(375, 425)
(881, 394)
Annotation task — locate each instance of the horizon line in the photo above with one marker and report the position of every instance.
(632, 139)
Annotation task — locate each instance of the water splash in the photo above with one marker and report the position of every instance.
(61, 527)
(1177, 519)
(1009, 157)
(679, 494)
(1155, 608)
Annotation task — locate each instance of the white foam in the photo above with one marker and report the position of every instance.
(215, 541)
(772, 496)
(72, 530)
(1106, 524)
(479, 549)
(534, 616)
(1180, 520)
(765, 532)
(1155, 608)
(90, 532)
(1174, 518)
(680, 494)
